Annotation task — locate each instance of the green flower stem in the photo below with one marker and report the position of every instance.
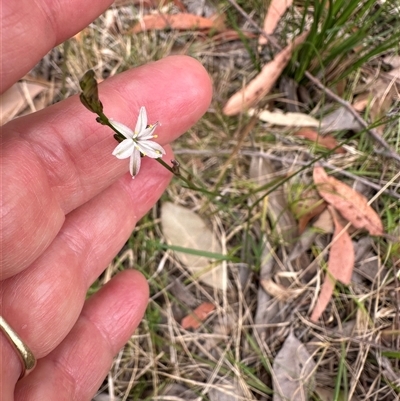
(186, 180)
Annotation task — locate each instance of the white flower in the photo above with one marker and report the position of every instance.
(137, 142)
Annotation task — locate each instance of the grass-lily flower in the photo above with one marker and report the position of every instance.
(137, 142)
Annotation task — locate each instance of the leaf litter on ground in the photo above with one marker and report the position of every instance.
(340, 265)
(260, 86)
(293, 372)
(352, 205)
(184, 228)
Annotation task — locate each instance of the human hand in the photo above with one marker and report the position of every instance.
(68, 205)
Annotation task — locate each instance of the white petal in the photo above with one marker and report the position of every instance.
(151, 149)
(122, 128)
(147, 133)
(141, 121)
(124, 149)
(134, 163)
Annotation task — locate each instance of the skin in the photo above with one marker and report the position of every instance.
(68, 205)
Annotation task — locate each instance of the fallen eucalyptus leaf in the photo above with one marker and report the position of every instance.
(352, 205)
(293, 368)
(186, 229)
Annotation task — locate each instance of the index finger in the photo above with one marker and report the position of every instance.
(57, 159)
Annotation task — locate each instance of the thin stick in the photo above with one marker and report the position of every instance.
(372, 132)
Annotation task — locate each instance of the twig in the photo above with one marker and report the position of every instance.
(372, 132)
(210, 152)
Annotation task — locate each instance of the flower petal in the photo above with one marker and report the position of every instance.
(141, 123)
(122, 128)
(151, 149)
(134, 163)
(147, 133)
(124, 149)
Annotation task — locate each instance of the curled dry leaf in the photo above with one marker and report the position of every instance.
(323, 298)
(340, 119)
(230, 35)
(194, 320)
(327, 141)
(275, 11)
(340, 265)
(280, 292)
(263, 82)
(352, 205)
(182, 21)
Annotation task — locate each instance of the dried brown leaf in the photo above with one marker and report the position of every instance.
(327, 141)
(383, 95)
(182, 21)
(230, 35)
(308, 206)
(339, 120)
(194, 320)
(263, 82)
(361, 101)
(352, 205)
(324, 297)
(280, 292)
(340, 265)
(274, 13)
(184, 228)
(293, 369)
(324, 222)
(341, 255)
